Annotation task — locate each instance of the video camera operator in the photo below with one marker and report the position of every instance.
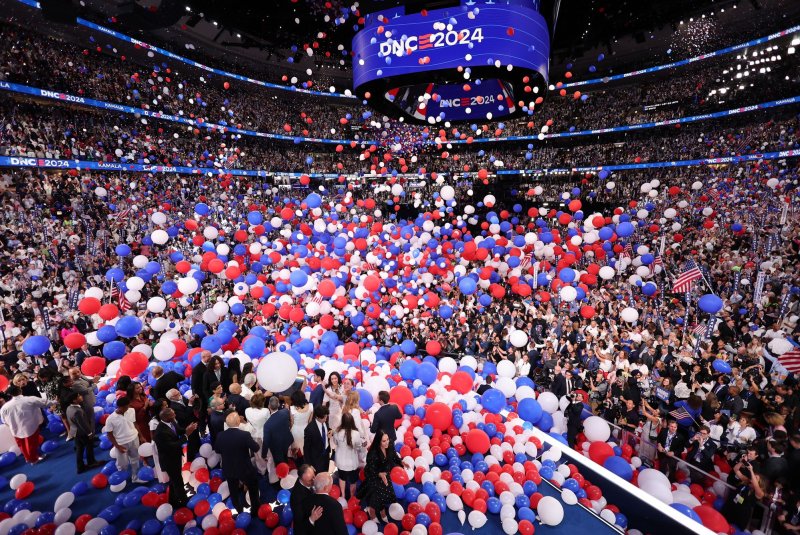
(573, 413)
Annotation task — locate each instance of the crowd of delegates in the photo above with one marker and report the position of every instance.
(182, 90)
(634, 376)
(64, 132)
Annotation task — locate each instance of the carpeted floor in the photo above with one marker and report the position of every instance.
(57, 474)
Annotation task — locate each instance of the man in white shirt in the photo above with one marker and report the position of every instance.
(23, 416)
(121, 431)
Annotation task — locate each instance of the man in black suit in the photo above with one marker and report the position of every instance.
(277, 433)
(671, 444)
(198, 374)
(169, 437)
(563, 384)
(721, 388)
(299, 500)
(317, 441)
(332, 519)
(216, 419)
(701, 453)
(318, 392)
(236, 447)
(185, 415)
(164, 382)
(385, 417)
(235, 399)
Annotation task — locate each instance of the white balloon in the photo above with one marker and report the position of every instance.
(607, 273)
(568, 497)
(146, 449)
(276, 372)
(159, 237)
(506, 368)
(67, 528)
(518, 338)
(568, 294)
(156, 304)
(446, 364)
(550, 510)
(629, 314)
(476, 519)
(596, 429)
(454, 502)
(548, 402)
(17, 480)
(164, 511)
(396, 511)
(64, 501)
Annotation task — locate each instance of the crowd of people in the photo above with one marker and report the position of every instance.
(137, 80)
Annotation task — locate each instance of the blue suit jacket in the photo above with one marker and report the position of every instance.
(277, 434)
(317, 395)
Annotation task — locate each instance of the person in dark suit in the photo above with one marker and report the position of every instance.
(563, 384)
(198, 373)
(385, 416)
(277, 433)
(236, 447)
(332, 519)
(215, 373)
(671, 443)
(318, 391)
(169, 437)
(186, 414)
(236, 401)
(721, 388)
(701, 453)
(573, 413)
(216, 419)
(164, 382)
(305, 515)
(317, 441)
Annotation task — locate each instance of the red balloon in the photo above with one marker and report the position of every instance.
(408, 521)
(399, 476)
(392, 529)
(372, 283)
(4, 382)
(282, 470)
(433, 347)
(434, 529)
(93, 366)
(401, 396)
(99, 481)
(439, 416)
(74, 340)
(203, 507)
(24, 490)
(108, 312)
(133, 364)
(81, 521)
(477, 441)
(183, 516)
(89, 305)
(712, 519)
(600, 451)
(461, 382)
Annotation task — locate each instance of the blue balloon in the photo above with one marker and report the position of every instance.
(7, 459)
(620, 467)
(427, 373)
(529, 410)
(254, 347)
(493, 400)
(128, 326)
(122, 250)
(365, 400)
(625, 229)
(36, 345)
(114, 350)
(710, 303)
(721, 366)
(567, 274)
(467, 285)
(49, 446)
(686, 510)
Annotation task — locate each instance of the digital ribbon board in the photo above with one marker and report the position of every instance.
(476, 60)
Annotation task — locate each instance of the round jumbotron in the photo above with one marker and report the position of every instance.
(455, 64)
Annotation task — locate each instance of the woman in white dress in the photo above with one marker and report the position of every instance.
(352, 406)
(300, 414)
(258, 415)
(334, 398)
(348, 444)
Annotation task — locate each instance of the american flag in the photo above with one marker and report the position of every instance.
(318, 299)
(526, 260)
(791, 360)
(119, 298)
(684, 281)
(680, 414)
(714, 194)
(120, 217)
(656, 262)
(699, 329)
(627, 251)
